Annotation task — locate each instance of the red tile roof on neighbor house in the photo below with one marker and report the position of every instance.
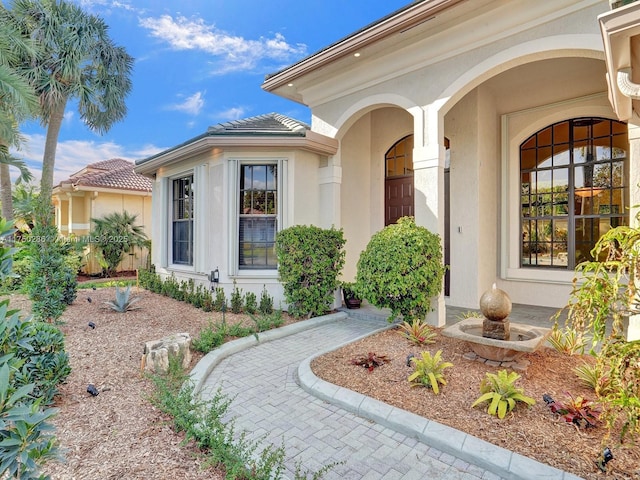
(115, 173)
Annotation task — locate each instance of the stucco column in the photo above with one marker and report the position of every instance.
(70, 215)
(428, 165)
(330, 178)
(633, 330)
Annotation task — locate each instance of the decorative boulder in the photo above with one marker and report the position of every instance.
(158, 352)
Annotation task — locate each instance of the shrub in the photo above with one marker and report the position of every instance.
(38, 348)
(401, 269)
(51, 283)
(220, 300)
(250, 303)
(236, 299)
(266, 302)
(210, 337)
(500, 392)
(429, 371)
(310, 259)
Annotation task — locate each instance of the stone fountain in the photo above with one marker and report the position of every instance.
(493, 336)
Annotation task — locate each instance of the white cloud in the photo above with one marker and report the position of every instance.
(191, 105)
(231, 114)
(234, 53)
(71, 156)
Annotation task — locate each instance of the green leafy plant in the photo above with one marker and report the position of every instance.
(621, 403)
(418, 332)
(210, 337)
(577, 410)
(568, 341)
(266, 302)
(236, 299)
(123, 301)
(51, 282)
(370, 361)
(115, 235)
(500, 392)
(309, 262)
(592, 376)
(429, 371)
(220, 300)
(401, 269)
(25, 439)
(250, 303)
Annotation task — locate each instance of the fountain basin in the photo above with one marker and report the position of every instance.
(524, 339)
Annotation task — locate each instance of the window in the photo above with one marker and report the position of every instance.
(182, 221)
(399, 158)
(258, 216)
(573, 188)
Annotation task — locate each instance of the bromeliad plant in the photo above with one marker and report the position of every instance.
(370, 361)
(417, 332)
(577, 410)
(568, 341)
(500, 392)
(429, 371)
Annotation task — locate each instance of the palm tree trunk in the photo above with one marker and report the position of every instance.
(5, 192)
(50, 145)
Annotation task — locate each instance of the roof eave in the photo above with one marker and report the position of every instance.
(618, 27)
(405, 19)
(311, 141)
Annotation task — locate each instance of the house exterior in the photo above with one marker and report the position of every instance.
(97, 190)
(489, 122)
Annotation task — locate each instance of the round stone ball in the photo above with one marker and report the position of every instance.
(495, 304)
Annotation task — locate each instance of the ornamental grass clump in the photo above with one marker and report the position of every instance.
(401, 269)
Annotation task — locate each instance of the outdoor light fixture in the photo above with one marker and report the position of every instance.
(409, 358)
(606, 457)
(92, 390)
(92, 325)
(215, 276)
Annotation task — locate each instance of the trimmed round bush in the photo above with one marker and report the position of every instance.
(401, 269)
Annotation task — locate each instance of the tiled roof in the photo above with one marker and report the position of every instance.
(267, 124)
(115, 173)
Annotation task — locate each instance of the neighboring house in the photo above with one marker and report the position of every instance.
(487, 121)
(97, 190)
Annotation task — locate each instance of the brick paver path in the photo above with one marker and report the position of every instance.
(268, 401)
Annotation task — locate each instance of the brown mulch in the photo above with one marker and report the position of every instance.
(534, 432)
(119, 433)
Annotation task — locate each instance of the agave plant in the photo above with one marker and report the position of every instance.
(429, 371)
(501, 393)
(123, 302)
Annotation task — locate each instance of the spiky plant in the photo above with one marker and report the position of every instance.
(417, 332)
(500, 392)
(429, 371)
(567, 341)
(123, 302)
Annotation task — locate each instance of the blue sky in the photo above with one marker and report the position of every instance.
(198, 63)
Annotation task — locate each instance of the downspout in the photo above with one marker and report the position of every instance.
(626, 86)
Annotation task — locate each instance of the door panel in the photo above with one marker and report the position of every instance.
(398, 200)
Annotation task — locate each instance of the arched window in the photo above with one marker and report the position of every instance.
(399, 158)
(574, 187)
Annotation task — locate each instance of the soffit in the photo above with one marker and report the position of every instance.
(621, 36)
(399, 44)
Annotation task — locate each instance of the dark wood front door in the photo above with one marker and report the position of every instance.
(398, 200)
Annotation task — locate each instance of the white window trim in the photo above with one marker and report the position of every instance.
(169, 242)
(234, 201)
(510, 268)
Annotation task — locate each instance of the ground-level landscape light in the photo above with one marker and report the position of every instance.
(606, 457)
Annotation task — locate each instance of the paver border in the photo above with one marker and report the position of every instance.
(495, 459)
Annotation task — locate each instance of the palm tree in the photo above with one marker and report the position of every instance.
(17, 102)
(76, 60)
(114, 235)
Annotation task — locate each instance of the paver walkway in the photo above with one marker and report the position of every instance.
(268, 401)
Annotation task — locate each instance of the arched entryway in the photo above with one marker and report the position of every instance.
(398, 181)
